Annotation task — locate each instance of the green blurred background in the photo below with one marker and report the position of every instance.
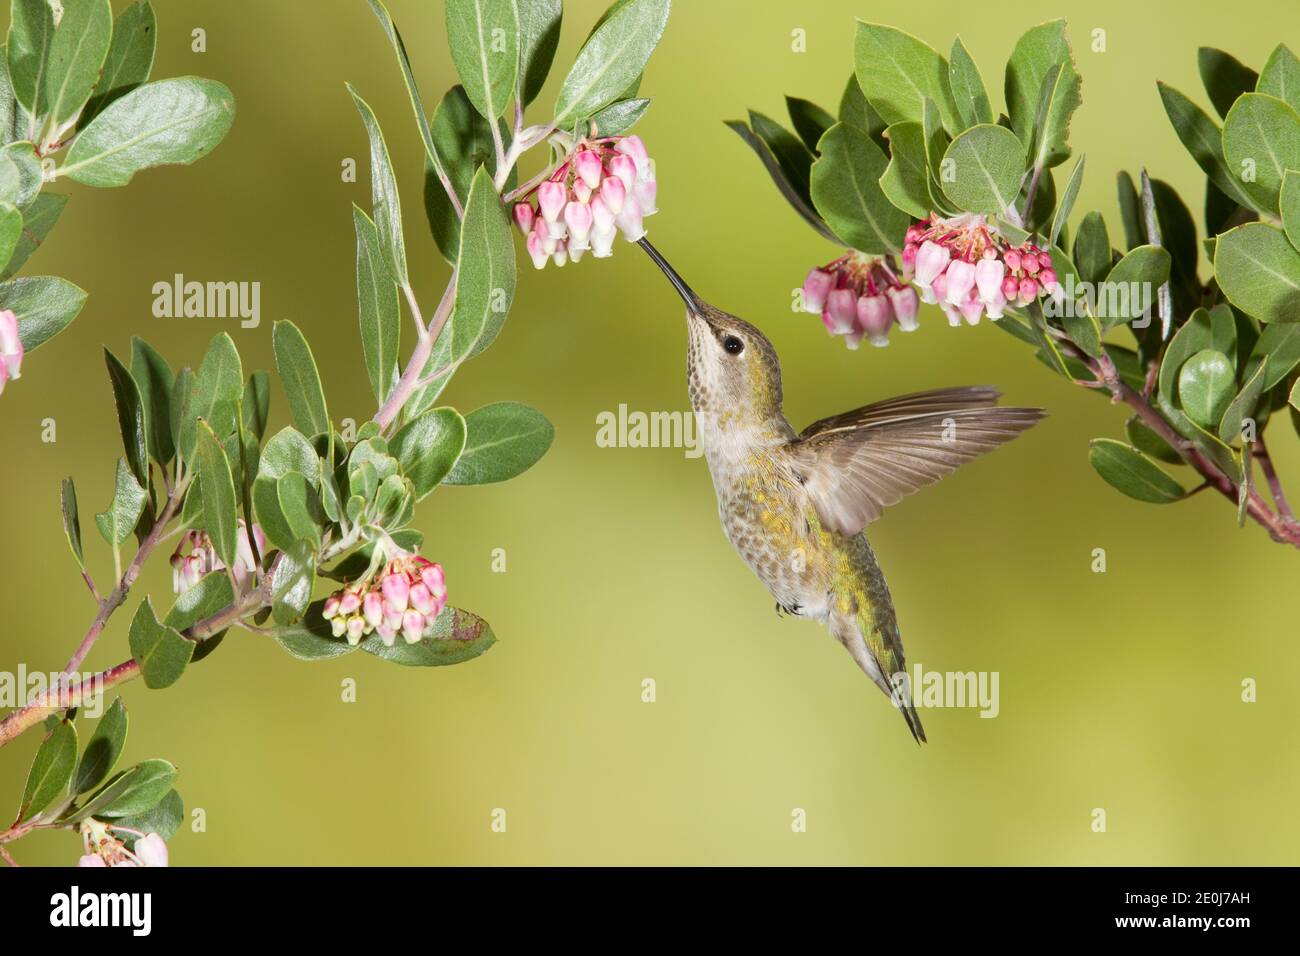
(1119, 691)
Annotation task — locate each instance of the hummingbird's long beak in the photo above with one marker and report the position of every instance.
(693, 301)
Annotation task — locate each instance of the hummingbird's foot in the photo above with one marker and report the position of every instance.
(792, 609)
(778, 608)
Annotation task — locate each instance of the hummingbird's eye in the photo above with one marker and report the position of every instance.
(733, 345)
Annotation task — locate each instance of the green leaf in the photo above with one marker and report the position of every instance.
(256, 404)
(103, 749)
(1149, 443)
(153, 377)
(213, 593)
(218, 387)
(610, 61)
(969, 95)
(428, 447)
(1289, 203)
(503, 440)
(1092, 252)
(1128, 470)
(169, 122)
(539, 35)
(856, 111)
(810, 120)
(1281, 76)
(1201, 137)
(1243, 405)
(984, 167)
(897, 72)
(906, 180)
(1130, 287)
(485, 278)
(1059, 99)
(164, 819)
(1130, 211)
(44, 306)
(71, 522)
(130, 417)
(1205, 387)
(1259, 272)
(298, 372)
(20, 174)
(619, 117)
(1066, 204)
(31, 32)
(788, 190)
(311, 638)
(289, 451)
(129, 61)
(1280, 345)
(77, 53)
(11, 229)
(159, 649)
(464, 141)
(386, 203)
(484, 40)
(1261, 140)
(378, 307)
(458, 636)
(1193, 336)
(51, 771)
(846, 191)
(220, 505)
(38, 219)
(123, 514)
(150, 782)
(412, 91)
(300, 504)
(794, 158)
(1037, 53)
(1224, 76)
(291, 583)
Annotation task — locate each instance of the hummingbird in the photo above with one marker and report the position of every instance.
(794, 505)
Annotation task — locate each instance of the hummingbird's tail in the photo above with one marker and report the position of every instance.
(879, 652)
(692, 300)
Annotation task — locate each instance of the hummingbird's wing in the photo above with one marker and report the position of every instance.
(855, 465)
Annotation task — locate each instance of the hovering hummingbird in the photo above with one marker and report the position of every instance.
(794, 504)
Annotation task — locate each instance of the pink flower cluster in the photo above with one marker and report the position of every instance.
(967, 267)
(406, 598)
(859, 295)
(103, 848)
(189, 569)
(605, 186)
(11, 348)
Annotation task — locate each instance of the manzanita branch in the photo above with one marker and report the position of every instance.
(411, 375)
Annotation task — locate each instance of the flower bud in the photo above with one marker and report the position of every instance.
(588, 167)
(906, 305)
(874, 318)
(387, 633)
(11, 346)
(412, 626)
(971, 310)
(578, 217)
(931, 259)
(396, 590)
(841, 313)
(646, 192)
(1012, 259)
(372, 606)
(1029, 262)
(988, 277)
(421, 599)
(561, 254)
(434, 578)
(961, 278)
(634, 146)
(551, 197)
(356, 628)
(629, 220)
(349, 602)
(1028, 290)
(624, 167)
(91, 859)
(537, 251)
(331, 607)
(613, 193)
(815, 290)
(524, 216)
(339, 626)
(151, 850)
